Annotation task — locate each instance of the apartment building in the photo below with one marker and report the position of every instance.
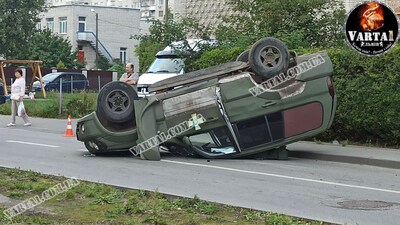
(155, 9)
(394, 4)
(150, 9)
(135, 4)
(207, 12)
(77, 23)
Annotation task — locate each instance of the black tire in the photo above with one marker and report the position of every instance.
(244, 56)
(115, 102)
(269, 57)
(93, 150)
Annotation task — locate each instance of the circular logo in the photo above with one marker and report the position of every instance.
(372, 28)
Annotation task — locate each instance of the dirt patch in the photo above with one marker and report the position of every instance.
(40, 209)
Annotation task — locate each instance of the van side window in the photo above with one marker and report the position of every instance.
(79, 77)
(66, 77)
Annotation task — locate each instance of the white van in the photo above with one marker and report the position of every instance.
(167, 64)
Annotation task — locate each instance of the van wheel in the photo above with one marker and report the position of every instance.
(115, 102)
(91, 148)
(269, 57)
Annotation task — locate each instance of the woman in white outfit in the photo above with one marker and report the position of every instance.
(17, 95)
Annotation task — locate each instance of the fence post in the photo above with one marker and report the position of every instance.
(60, 105)
(99, 82)
(72, 84)
(114, 76)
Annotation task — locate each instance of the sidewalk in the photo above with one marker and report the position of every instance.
(381, 157)
(56, 126)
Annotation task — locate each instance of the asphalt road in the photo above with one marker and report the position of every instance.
(329, 191)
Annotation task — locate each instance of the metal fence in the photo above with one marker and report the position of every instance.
(97, 79)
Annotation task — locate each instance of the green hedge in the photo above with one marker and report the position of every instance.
(77, 105)
(368, 91)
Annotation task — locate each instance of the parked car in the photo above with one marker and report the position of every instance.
(226, 119)
(70, 81)
(2, 97)
(1, 87)
(168, 63)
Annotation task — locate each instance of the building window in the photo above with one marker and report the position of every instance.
(160, 13)
(38, 26)
(63, 25)
(82, 24)
(122, 55)
(160, 2)
(50, 24)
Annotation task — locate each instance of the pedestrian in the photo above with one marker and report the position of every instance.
(17, 95)
(130, 77)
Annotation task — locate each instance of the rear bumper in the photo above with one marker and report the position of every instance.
(89, 128)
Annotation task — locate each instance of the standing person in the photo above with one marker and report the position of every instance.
(17, 95)
(130, 77)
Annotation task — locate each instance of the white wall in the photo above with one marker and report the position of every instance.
(116, 25)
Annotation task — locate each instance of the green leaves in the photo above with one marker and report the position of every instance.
(368, 94)
(17, 24)
(314, 23)
(49, 48)
(163, 33)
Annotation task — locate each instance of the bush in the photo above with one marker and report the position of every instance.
(368, 91)
(75, 104)
(217, 56)
(81, 105)
(47, 108)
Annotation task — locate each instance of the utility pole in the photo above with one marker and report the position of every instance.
(97, 38)
(166, 11)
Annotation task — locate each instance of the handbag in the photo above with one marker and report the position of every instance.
(15, 97)
(21, 109)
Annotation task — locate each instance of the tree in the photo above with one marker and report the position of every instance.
(18, 19)
(162, 33)
(103, 63)
(299, 23)
(146, 51)
(51, 49)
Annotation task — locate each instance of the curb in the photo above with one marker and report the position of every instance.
(346, 159)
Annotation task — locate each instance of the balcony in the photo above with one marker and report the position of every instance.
(90, 38)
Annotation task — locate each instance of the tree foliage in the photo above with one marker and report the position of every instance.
(163, 33)
(103, 63)
(18, 19)
(299, 23)
(51, 49)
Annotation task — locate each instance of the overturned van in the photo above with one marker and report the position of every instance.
(251, 107)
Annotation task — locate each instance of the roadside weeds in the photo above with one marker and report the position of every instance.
(93, 203)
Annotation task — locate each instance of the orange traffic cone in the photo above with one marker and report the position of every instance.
(69, 132)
